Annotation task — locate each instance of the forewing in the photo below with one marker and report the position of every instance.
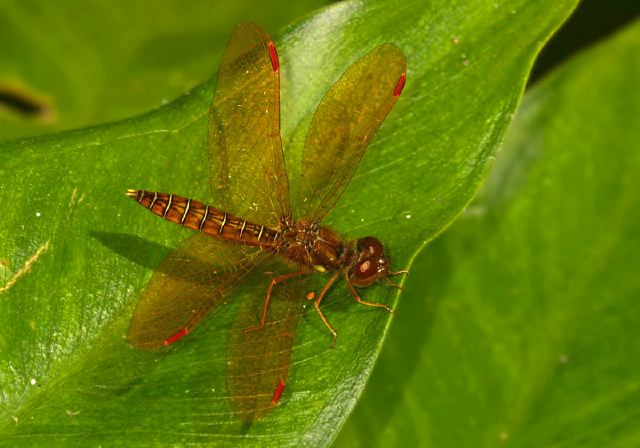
(245, 150)
(258, 361)
(189, 282)
(348, 116)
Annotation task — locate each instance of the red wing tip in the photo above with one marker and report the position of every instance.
(278, 393)
(400, 84)
(273, 54)
(179, 335)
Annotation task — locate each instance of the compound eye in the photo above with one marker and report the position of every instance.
(365, 269)
(370, 247)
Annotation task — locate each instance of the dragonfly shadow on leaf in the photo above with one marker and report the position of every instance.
(149, 254)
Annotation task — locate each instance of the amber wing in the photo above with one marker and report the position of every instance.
(258, 361)
(348, 116)
(191, 281)
(245, 150)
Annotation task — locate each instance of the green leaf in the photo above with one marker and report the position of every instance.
(83, 63)
(521, 322)
(78, 253)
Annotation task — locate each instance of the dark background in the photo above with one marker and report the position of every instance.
(593, 20)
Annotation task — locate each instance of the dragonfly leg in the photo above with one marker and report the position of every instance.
(359, 299)
(390, 283)
(274, 282)
(317, 301)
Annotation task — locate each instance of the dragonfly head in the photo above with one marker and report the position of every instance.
(371, 262)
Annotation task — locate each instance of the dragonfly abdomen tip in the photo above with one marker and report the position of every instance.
(132, 193)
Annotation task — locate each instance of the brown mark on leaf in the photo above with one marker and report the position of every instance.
(26, 268)
(20, 102)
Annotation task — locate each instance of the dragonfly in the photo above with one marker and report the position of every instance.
(255, 232)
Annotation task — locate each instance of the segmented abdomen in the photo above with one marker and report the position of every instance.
(198, 216)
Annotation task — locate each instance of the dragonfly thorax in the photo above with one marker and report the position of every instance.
(318, 247)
